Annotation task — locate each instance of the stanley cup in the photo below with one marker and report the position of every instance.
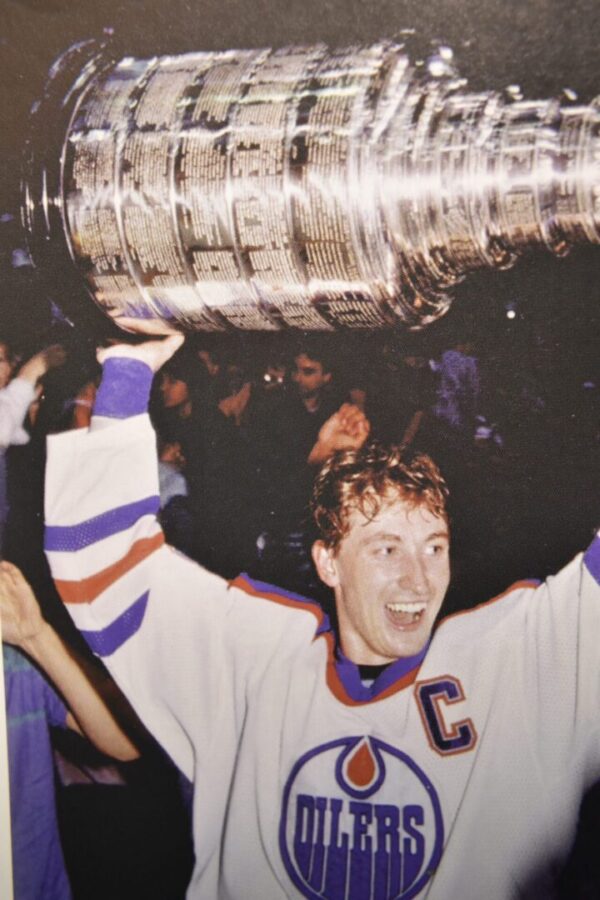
(303, 187)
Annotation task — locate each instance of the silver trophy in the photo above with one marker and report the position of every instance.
(301, 188)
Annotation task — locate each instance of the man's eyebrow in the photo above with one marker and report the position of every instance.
(397, 538)
(384, 536)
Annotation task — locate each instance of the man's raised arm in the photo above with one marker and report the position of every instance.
(154, 617)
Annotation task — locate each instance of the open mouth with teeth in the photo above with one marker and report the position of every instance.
(403, 615)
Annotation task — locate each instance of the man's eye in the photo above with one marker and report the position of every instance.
(435, 549)
(385, 550)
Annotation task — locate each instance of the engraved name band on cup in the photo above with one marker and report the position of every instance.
(303, 187)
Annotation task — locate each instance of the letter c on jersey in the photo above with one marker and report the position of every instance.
(458, 737)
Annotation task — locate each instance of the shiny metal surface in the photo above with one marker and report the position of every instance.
(306, 187)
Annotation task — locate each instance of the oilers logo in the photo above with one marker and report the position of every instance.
(360, 821)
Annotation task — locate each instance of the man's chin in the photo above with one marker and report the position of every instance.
(410, 644)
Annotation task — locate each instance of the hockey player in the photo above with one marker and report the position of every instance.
(367, 762)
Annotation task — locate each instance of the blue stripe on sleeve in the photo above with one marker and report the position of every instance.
(70, 538)
(105, 641)
(592, 559)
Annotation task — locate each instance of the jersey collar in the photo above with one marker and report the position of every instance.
(395, 676)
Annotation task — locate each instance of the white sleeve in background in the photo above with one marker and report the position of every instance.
(15, 400)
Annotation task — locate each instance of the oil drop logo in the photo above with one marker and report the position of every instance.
(360, 821)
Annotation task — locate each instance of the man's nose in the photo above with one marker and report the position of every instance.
(414, 575)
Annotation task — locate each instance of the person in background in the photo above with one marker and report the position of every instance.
(48, 684)
(401, 392)
(82, 403)
(195, 410)
(270, 387)
(305, 425)
(18, 396)
(458, 394)
(175, 513)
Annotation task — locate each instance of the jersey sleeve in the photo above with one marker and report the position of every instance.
(562, 662)
(15, 400)
(158, 620)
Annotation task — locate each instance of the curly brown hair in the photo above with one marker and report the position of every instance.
(365, 479)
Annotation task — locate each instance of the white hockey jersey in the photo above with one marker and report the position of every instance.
(458, 778)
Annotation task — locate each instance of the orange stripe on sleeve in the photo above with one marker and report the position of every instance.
(88, 589)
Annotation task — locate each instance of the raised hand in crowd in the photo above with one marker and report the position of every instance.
(18, 395)
(35, 368)
(346, 429)
(96, 707)
(20, 615)
(235, 405)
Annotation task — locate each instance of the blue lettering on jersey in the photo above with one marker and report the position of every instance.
(360, 821)
(458, 737)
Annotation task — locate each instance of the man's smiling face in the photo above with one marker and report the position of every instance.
(389, 575)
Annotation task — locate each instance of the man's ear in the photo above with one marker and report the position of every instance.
(324, 560)
(327, 377)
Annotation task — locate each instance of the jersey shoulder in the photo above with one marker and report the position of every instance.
(502, 610)
(275, 603)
